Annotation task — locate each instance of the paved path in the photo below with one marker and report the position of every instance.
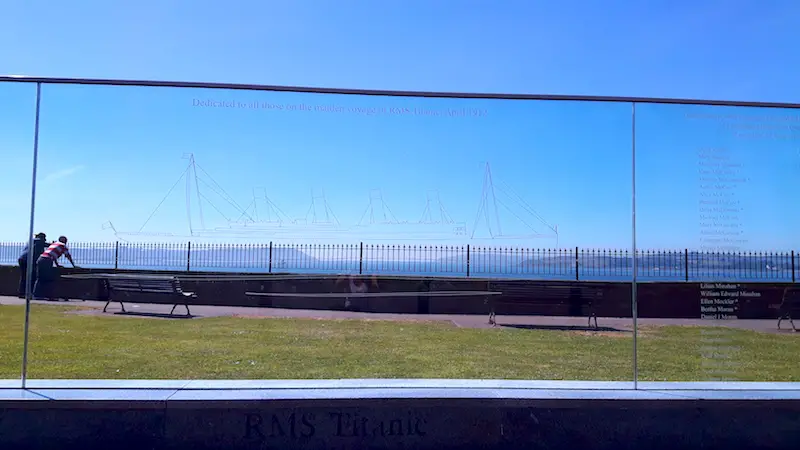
(467, 321)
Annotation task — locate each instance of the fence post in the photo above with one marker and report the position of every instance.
(577, 265)
(116, 256)
(793, 280)
(189, 256)
(686, 264)
(467, 259)
(270, 256)
(361, 258)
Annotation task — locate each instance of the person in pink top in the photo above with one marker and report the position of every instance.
(47, 272)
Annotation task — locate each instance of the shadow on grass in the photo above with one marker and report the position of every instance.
(563, 328)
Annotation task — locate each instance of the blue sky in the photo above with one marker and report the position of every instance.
(112, 154)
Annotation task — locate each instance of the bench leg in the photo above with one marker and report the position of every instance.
(593, 316)
(106, 307)
(791, 322)
(185, 305)
(121, 305)
(488, 302)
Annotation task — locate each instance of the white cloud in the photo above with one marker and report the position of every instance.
(55, 176)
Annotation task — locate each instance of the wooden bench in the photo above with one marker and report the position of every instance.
(155, 288)
(790, 306)
(347, 295)
(577, 299)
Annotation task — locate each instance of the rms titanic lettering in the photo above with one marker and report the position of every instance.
(331, 424)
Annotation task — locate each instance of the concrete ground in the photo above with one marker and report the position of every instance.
(462, 320)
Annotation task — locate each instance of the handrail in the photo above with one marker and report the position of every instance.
(389, 93)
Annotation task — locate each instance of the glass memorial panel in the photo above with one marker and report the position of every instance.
(717, 234)
(274, 235)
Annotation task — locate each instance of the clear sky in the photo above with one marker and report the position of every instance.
(113, 154)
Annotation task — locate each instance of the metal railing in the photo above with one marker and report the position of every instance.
(433, 260)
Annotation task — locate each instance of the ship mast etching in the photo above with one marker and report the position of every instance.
(377, 209)
(428, 213)
(261, 210)
(491, 204)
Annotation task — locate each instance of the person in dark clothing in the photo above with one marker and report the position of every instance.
(39, 246)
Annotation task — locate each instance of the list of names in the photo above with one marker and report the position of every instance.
(721, 231)
(720, 177)
(720, 301)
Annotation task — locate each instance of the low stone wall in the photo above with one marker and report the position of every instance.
(421, 423)
(678, 300)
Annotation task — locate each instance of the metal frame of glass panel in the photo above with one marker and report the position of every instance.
(39, 81)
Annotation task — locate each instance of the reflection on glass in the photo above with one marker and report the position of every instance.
(715, 188)
(289, 235)
(17, 104)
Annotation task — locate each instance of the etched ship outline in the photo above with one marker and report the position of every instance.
(263, 218)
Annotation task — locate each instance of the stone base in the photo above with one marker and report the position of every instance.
(398, 418)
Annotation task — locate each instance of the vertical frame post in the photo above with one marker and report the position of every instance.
(634, 302)
(31, 261)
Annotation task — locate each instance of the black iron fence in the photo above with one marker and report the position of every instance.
(465, 260)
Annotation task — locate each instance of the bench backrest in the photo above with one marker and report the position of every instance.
(546, 290)
(152, 285)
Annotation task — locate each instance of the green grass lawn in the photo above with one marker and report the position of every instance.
(64, 345)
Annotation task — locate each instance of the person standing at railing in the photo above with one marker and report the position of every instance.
(39, 245)
(48, 269)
